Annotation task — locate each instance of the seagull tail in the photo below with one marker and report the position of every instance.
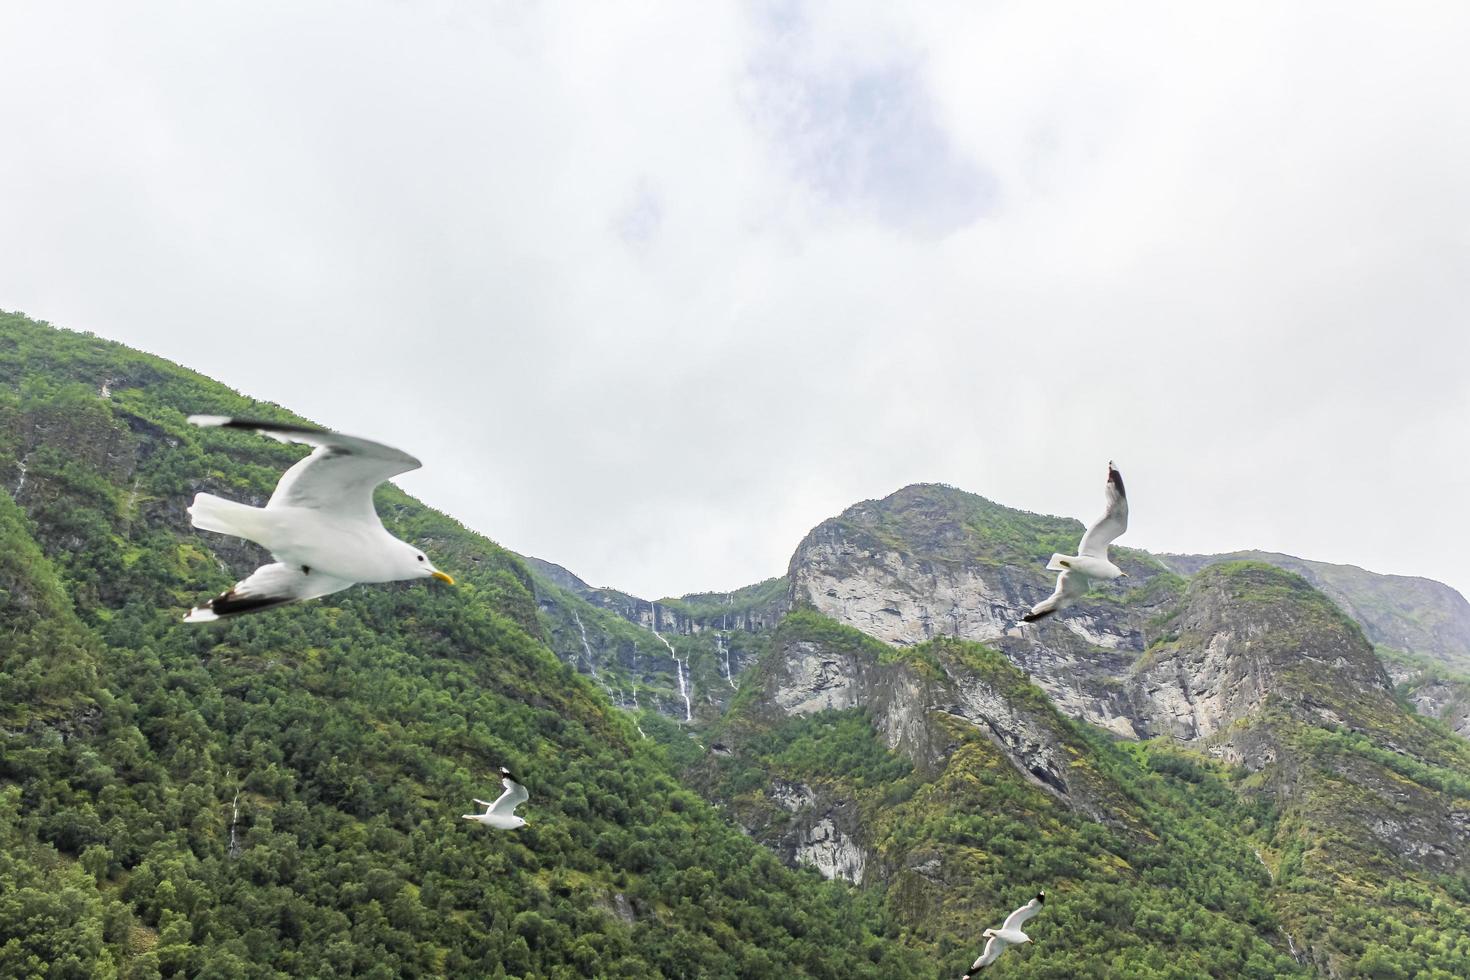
(1058, 563)
(211, 513)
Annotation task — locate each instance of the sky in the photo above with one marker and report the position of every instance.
(653, 289)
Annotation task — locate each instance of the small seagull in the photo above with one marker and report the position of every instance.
(1009, 934)
(320, 524)
(502, 813)
(1091, 560)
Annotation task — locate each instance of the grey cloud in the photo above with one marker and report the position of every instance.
(863, 135)
(653, 294)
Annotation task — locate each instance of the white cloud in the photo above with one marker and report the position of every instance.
(653, 290)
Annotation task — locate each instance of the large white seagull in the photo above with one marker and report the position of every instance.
(320, 524)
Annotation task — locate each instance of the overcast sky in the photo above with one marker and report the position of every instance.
(653, 289)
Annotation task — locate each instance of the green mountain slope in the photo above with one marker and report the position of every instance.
(943, 780)
(1415, 615)
(1373, 840)
(1330, 778)
(652, 654)
(279, 796)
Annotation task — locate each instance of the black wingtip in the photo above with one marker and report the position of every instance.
(1116, 479)
(1041, 897)
(255, 425)
(1032, 617)
(231, 604)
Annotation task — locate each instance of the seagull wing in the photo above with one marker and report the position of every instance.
(1070, 587)
(340, 474)
(1018, 918)
(993, 948)
(515, 794)
(1113, 522)
(267, 587)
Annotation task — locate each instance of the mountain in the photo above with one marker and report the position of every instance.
(1337, 823)
(280, 795)
(1417, 616)
(678, 656)
(1214, 770)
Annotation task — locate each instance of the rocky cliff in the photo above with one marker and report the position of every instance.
(1415, 615)
(681, 657)
(1242, 662)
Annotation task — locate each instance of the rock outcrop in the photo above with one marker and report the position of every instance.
(1402, 612)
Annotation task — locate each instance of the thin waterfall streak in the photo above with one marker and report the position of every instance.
(679, 665)
(586, 647)
(234, 851)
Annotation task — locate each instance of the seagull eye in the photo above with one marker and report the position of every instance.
(421, 557)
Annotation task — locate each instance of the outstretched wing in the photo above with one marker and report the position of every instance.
(505, 805)
(340, 474)
(267, 587)
(1018, 918)
(1070, 587)
(993, 948)
(1113, 522)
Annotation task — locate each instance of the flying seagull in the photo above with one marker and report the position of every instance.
(320, 524)
(1091, 560)
(502, 813)
(1009, 934)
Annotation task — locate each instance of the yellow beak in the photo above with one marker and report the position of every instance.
(443, 578)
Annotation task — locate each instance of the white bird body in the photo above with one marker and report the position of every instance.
(311, 539)
(1088, 565)
(502, 813)
(1009, 934)
(320, 524)
(1091, 560)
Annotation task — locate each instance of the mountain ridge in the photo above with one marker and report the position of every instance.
(277, 796)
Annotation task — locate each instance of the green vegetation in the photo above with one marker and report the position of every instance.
(711, 606)
(279, 795)
(949, 524)
(1166, 886)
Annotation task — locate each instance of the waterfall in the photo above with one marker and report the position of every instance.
(20, 464)
(679, 665)
(591, 667)
(637, 709)
(234, 851)
(722, 641)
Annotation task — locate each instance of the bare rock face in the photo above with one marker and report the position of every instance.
(815, 679)
(806, 672)
(1248, 633)
(901, 598)
(810, 825)
(1260, 669)
(1402, 612)
(831, 852)
(1434, 695)
(932, 561)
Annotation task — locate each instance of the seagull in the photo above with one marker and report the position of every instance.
(1009, 934)
(1091, 560)
(502, 813)
(320, 524)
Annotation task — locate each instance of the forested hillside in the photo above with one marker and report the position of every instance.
(279, 795)
(846, 772)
